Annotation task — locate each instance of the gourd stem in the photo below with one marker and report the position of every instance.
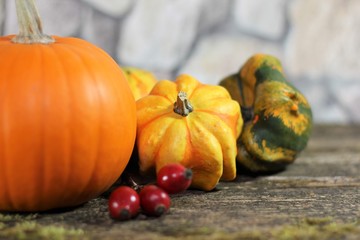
(182, 105)
(30, 27)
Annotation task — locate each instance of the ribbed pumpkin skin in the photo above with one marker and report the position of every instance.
(67, 124)
(141, 81)
(204, 140)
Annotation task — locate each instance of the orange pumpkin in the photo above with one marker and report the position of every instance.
(189, 123)
(141, 81)
(67, 119)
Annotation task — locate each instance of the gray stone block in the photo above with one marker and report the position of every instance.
(114, 8)
(159, 34)
(214, 15)
(217, 56)
(324, 41)
(262, 18)
(59, 17)
(100, 29)
(347, 94)
(2, 15)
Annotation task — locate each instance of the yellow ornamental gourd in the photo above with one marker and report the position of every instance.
(140, 81)
(190, 123)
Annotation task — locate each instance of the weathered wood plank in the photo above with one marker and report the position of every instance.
(317, 196)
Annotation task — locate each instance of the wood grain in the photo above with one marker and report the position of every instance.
(323, 183)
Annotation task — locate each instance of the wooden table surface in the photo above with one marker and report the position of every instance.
(317, 197)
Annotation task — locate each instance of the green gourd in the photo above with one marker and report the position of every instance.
(277, 117)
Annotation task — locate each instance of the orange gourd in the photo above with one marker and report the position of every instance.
(190, 123)
(67, 119)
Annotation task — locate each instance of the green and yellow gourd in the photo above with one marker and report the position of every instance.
(277, 117)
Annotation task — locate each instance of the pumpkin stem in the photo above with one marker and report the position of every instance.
(182, 105)
(30, 27)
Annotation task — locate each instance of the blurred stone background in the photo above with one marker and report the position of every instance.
(318, 41)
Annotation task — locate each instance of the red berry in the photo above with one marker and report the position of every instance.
(154, 200)
(124, 203)
(174, 178)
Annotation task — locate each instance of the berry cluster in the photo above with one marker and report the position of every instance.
(125, 202)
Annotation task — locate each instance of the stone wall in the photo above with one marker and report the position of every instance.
(317, 41)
